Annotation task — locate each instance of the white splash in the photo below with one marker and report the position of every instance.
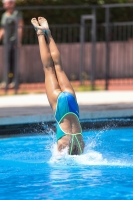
(90, 157)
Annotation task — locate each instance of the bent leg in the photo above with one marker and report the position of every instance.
(63, 81)
(51, 83)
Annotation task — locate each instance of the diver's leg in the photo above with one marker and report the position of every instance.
(51, 83)
(12, 68)
(63, 81)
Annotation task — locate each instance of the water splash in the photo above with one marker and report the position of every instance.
(91, 156)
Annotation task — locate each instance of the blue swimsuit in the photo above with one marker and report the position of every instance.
(66, 104)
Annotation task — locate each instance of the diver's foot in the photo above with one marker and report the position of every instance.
(38, 28)
(44, 25)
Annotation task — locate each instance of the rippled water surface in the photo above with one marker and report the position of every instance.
(32, 168)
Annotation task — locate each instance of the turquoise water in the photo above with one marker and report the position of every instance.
(32, 168)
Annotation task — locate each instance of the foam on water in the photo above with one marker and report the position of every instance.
(89, 157)
(100, 149)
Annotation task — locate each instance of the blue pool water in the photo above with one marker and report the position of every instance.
(31, 167)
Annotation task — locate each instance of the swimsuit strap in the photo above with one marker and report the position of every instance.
(71, 145)
(75, 136)
(79, 145)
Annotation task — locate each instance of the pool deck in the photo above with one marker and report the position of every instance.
(34, 108)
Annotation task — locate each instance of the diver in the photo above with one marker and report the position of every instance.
(60, 93)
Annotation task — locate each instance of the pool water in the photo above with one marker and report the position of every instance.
(32, 168)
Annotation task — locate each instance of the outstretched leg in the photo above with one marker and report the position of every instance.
(63, 81)
(52, 87)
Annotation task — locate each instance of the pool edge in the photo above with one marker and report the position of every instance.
(29, 119)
